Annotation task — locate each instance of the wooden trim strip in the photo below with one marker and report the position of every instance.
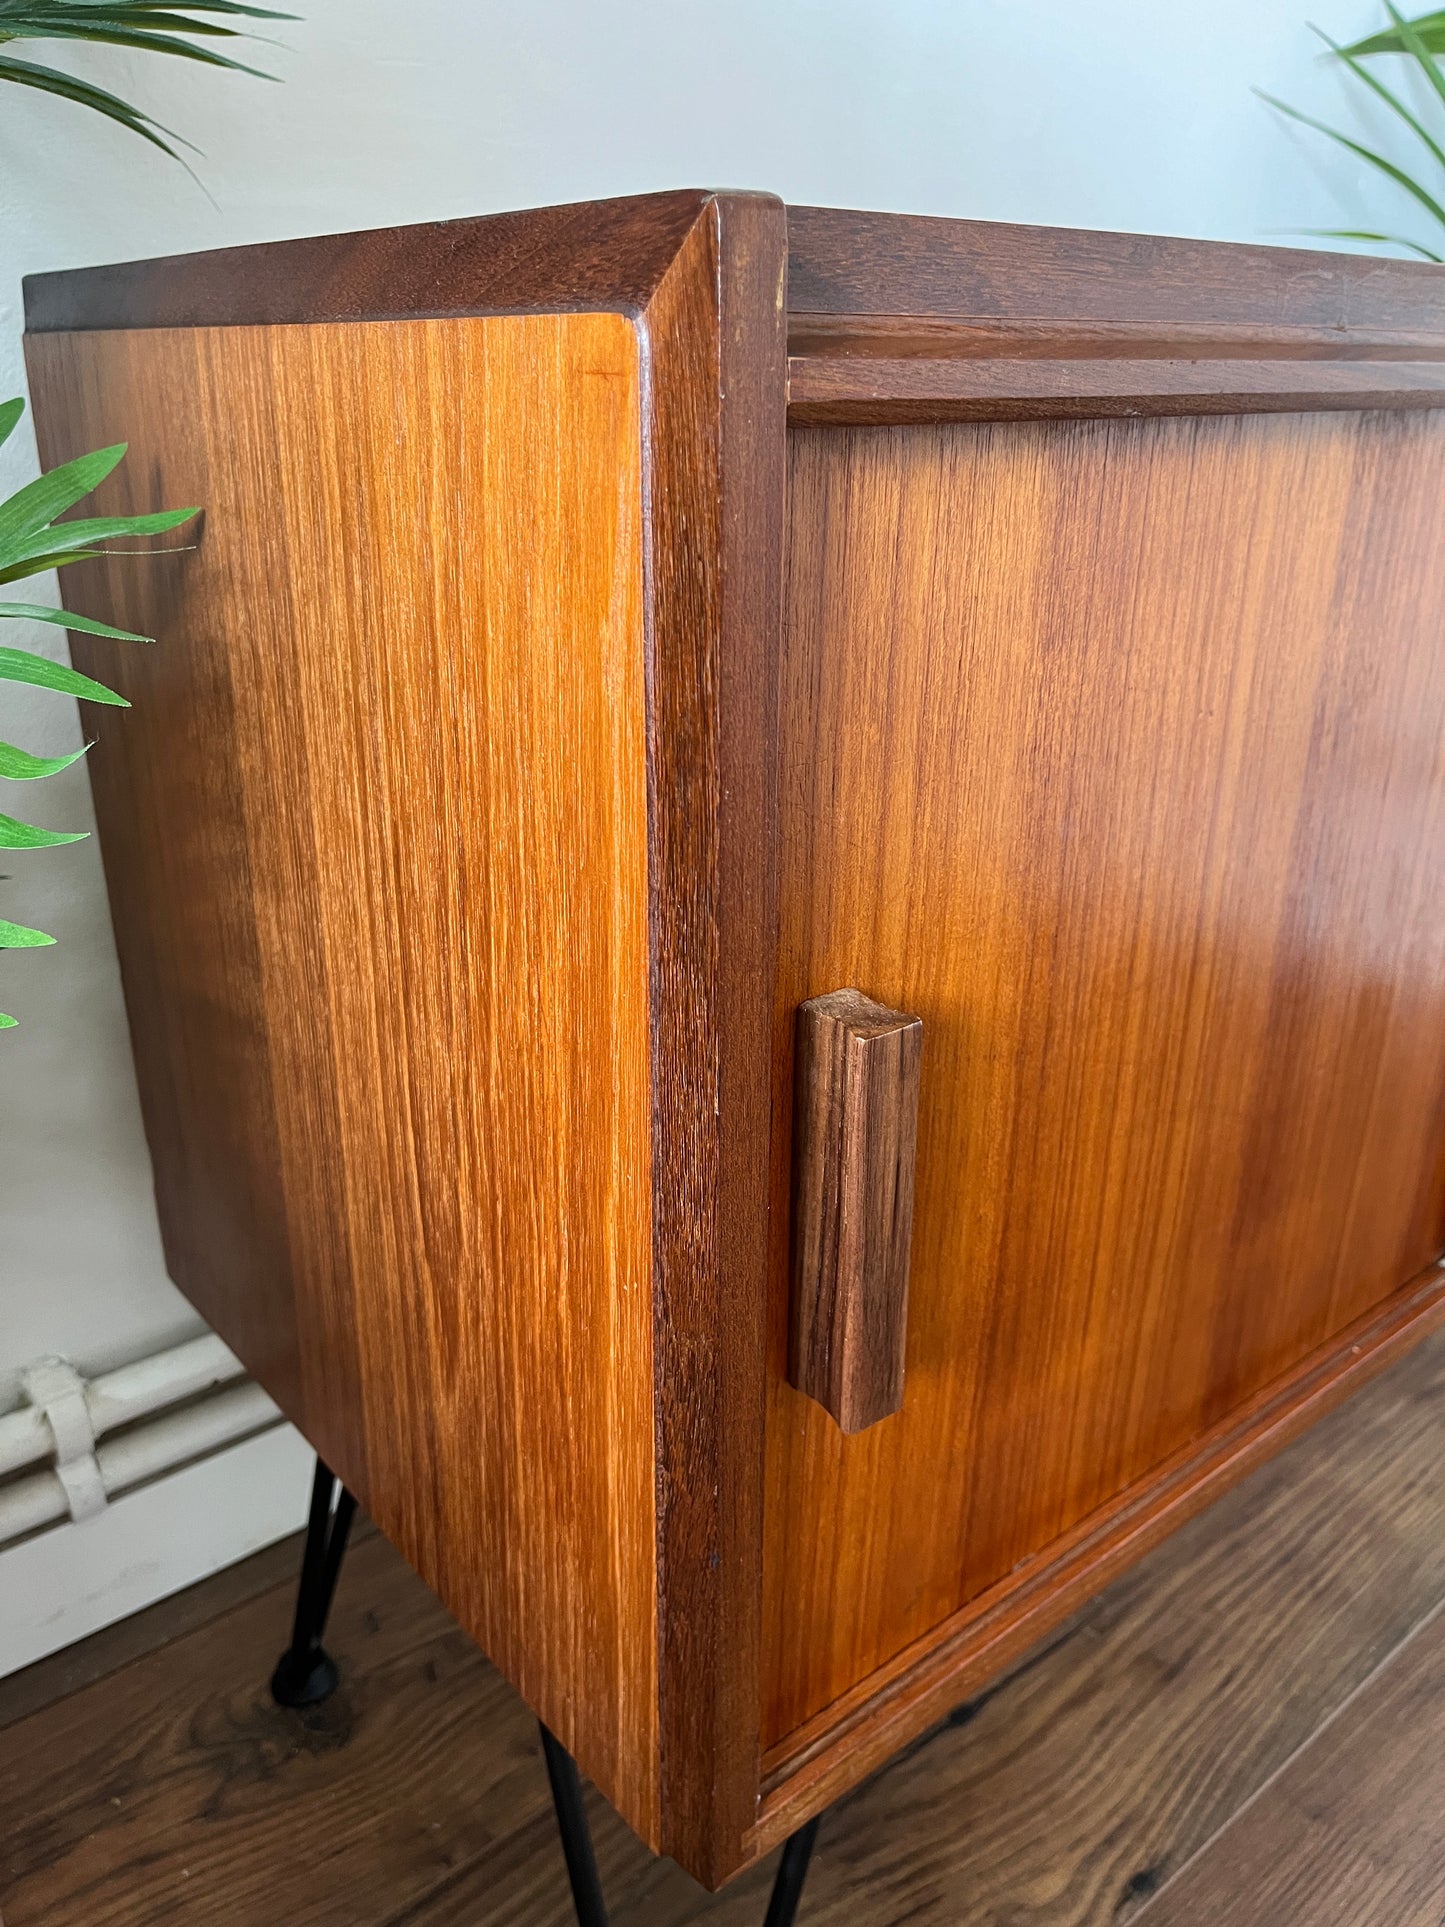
(897, 337)
(842, 261)
(714, 343)
(859, 1732)
(868, 388)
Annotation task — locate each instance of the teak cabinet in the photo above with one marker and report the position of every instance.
(615, 628)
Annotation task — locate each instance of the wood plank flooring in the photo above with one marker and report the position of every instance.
(1246, 1729)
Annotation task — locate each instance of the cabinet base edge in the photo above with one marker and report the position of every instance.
(859, 1733)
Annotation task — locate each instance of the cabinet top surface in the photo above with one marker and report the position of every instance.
(612, 256)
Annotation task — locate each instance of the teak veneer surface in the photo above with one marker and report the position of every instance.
(1113, 751)
(483, 819)
(398, 935)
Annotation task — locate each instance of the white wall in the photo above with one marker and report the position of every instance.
(1101, 113)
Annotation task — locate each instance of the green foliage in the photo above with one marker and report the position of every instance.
(15, 936)
(178, 27)
(32, 540)
(1429, 26)
(1418, 41)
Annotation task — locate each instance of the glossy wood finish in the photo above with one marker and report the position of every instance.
(848, 262)
(378, 872)
(872, 389)
(1150, 842)
(856, 1109)
(607, 256)
(715, 346)
(1109, 747)
(687, 609)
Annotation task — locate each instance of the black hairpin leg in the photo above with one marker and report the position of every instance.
(582, 1862)
(305, 1673)
(792, 1872)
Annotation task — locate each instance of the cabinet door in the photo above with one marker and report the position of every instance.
(1113, 750)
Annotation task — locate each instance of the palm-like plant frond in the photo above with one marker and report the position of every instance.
(32, 540)
(1419, 41)
(185, 28)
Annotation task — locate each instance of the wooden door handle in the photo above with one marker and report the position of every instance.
(855, 1132)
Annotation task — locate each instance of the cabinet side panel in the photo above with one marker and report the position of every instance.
(1116, 752)
(375, 834)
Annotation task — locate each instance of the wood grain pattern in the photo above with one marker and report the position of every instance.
(875, 389)
(1350, 1832)
(856, 1083)
(714, 492)
(1112, 748)
(607, 256)
(379, 816)
(847, 261)
(172, 1790)
(1149, 841)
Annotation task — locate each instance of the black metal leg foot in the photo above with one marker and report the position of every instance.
(575, 1832)
(582, 1862)
(305, 1673)
(792, 1872)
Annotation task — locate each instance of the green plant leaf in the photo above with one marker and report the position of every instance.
(19, 765)
(1348, 234)
(1382, 92)
(18, 665)
(1415, 46)
(59, 538)
(10, 413)
(67, 619)
(15, 835)
(1429, 26)
(1386, 167)
(40, 501)
(143, 41)
(6, 1023)
(26, 73)
(56, 537)
(19, 936)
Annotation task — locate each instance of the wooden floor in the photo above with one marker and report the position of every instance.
(1249, 1728)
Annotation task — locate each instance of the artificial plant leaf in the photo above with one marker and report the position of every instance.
(19, 765)
(26, 73)
(10, 413)
(67, 619)
(15, 835)
(18, 665)
(49, 495)
(19, 936)
(1429, 26)
(1386, 167)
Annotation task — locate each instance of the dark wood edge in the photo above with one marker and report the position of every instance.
(592, 255)
(872, 389)
(859, 1733)
(896, 337)
(848, 273)
(841, 261)
(714, 349)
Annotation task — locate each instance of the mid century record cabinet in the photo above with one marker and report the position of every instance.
(616, 630)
